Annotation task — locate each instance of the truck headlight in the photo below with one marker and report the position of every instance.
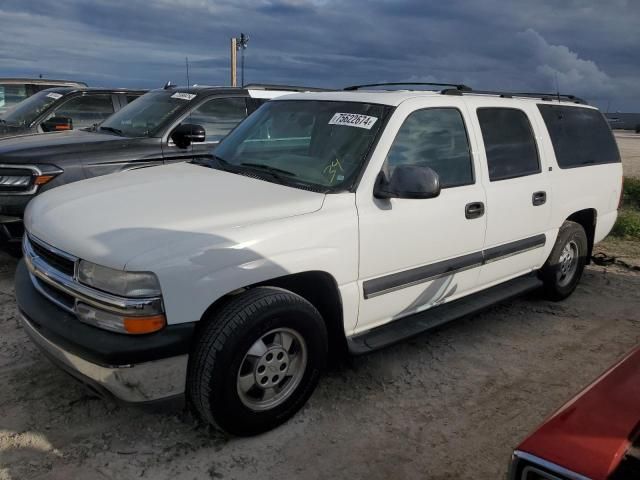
(119, 282)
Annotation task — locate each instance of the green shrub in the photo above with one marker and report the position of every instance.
(632, 191)
(628, 224)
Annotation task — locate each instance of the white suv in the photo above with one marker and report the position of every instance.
(324, 222)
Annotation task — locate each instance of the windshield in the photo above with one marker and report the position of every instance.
(28, 110)
(143, 117)
(322, 144)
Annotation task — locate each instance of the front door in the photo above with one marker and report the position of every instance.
(415, 254)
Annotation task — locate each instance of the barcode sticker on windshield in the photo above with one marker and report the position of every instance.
(54, 95)
(353, 120)
(183, 96)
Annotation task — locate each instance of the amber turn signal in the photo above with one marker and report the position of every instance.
(42, 179)
(139, 325)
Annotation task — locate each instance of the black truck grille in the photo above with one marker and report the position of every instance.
(60, 263)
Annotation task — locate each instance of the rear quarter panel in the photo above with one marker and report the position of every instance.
(579, 188)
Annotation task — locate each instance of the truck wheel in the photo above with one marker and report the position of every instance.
(563, 269)
(257, 361)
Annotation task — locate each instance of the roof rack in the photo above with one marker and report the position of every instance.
(456, 86)
(288, 88)
(541, 96)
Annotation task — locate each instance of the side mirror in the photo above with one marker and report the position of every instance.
(185, 134)
(57, 124)
(408, 181)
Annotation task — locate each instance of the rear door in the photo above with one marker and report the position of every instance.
(517, 188)
(418, 253)
(218, 116)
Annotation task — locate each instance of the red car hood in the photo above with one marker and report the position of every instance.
(591, 433)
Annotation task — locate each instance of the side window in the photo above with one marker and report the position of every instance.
(218, 116)
(436, 138)
(11, 95)
(580, 136)
(509, 143)
(85, 110)
(131, 98)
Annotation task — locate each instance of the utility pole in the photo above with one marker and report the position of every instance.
(234, 49)
(238, 44)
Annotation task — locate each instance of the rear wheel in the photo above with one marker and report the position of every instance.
(563, 269)
(257, 361)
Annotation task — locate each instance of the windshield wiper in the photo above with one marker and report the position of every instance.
(276, 172)
(212, 161)
(117, 131)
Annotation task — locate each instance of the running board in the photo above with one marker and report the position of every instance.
(412, 325)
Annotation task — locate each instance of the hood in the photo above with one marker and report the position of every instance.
(112, 219)
(591, 434)
(39, 146)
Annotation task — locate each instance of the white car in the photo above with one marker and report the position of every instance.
(325, 222)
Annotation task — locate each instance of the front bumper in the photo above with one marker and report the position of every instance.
(132, 368)
(142, 383)
(12, 209)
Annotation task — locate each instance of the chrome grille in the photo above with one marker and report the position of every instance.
(59, 262)
(53, 274)
(58, 297)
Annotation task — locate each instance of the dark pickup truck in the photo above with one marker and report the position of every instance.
(64, 108)
(15, 90)
(166, 125)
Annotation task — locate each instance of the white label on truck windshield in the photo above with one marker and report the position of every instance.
(54, 95)
(183, 96)
(353, 120)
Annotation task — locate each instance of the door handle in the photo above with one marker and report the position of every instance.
(539, 198)
(474, 210)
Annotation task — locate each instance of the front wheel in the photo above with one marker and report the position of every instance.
(563, 269)
(257, 361)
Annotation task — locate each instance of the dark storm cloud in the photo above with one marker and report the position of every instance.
(589, 47)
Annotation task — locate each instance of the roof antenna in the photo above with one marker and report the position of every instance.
(555, 74)
(186, 61)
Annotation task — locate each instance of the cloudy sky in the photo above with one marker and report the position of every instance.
(592, 47)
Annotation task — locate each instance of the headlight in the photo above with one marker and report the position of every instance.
(22, 179)
(15, 181)
(118, 282)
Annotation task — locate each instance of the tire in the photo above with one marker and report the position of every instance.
(563, 269)
(235, 378)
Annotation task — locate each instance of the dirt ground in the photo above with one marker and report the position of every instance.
(449, 404)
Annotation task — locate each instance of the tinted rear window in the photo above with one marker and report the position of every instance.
(580, 136)
(509, 143)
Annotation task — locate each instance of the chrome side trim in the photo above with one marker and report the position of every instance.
(143, 382)
(414, 276)
(545, 464)
(69, 285)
